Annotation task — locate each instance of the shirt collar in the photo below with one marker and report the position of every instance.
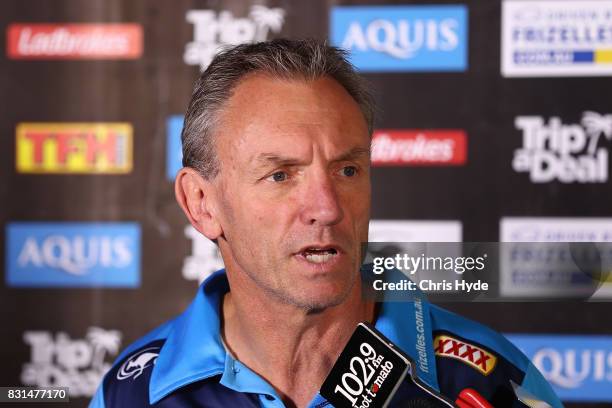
(194, 349)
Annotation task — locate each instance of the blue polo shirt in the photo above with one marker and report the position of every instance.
(184, 363)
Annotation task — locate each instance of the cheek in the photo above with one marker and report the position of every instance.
(260, 216)
(358, 206)
(273, 206)
(358, 199)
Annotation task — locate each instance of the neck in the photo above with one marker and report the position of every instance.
(292, 348)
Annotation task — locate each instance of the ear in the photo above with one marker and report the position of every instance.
(196, 197)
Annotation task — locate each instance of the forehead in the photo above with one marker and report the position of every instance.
(268, 111)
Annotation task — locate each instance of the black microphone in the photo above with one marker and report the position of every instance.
(369, 371)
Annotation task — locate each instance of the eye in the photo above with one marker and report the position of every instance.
(278, 176)
(349, 171)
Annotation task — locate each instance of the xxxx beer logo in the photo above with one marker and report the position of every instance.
(476, 357)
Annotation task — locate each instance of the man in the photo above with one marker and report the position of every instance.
(276, 152)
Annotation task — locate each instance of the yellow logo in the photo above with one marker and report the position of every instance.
(476, 357)
(77, 148)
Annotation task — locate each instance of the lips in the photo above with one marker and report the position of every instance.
(319, 254)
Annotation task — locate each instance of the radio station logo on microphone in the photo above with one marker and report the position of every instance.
(57, 360)
(212, 31)
(402, 38)
(73, 254)
(565, 152)
(556, 38)
(578, 367)
(419, 148)
(74, 148)
(74, 41)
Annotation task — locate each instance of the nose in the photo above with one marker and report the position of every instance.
(321, 203)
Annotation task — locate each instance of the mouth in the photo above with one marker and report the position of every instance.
(319, 254)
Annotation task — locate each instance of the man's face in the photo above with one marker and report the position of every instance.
(294, 188)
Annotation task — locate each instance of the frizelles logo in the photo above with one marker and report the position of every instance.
(578, 367)
(555, 270)
(419, 147)
(555, 229)
(95, 148)
(212, 31)
(568, 153)
(74, 41)
(556, 38)
(73, 254)
(402, 38)
(60, 361)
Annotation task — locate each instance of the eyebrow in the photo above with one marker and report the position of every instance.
(354, 153)
(265, 159)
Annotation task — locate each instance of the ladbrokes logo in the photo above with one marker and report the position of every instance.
(59, 361)
(74, 41)
(476, 357)
(569, 153)
(418, 147)
(211, 31)
(74, 148)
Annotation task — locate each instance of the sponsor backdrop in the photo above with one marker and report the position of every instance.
(495, 125)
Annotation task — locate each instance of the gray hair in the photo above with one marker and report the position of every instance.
(285, 59)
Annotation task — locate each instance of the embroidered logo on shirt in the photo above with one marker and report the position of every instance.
(136, 364)
(474, 356)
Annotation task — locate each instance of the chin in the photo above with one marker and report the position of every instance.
(320, 297)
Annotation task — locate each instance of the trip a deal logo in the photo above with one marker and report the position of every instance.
(85, 148)
(402, 38)
(214, 30)
(74, 41)
(556, 38)
(419, 148)
(579, 367)
(73, 254)
(566, 152)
